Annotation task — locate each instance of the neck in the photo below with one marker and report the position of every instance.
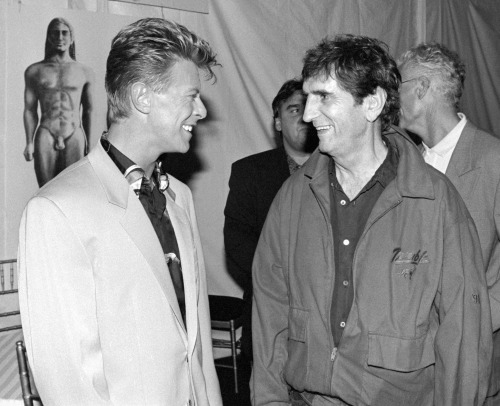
(440, 121)
(355, 171)
(60, 57)
(127, 138)
(298, 156)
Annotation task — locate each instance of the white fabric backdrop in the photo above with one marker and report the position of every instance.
(260, 44)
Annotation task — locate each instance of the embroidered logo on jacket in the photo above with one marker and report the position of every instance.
(409, 261)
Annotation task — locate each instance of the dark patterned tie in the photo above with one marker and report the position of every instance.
(154, 203)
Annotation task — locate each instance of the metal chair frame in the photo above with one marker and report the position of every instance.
(228, 325)
(11, 268)
(24, 375)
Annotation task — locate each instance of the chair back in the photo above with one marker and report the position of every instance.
(9, 301)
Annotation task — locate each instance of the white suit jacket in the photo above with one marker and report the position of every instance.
(100, 316)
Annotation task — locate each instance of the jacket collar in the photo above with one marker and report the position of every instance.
(462, 159)
(137, 224)
(413, 174)
(114, 183)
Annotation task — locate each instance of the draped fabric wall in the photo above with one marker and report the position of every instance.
(471, 28)
(260, 44)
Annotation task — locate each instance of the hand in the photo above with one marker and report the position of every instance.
(28, 151)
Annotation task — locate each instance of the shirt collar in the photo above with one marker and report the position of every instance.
(127, 166)
(449, 142)
(385, 173)
(389, 168)
(292, 165)
(122, 162)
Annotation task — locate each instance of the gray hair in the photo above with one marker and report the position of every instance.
(434, 59)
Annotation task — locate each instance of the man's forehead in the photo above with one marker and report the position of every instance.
(59, 27)
(319, 82)
(298, 96)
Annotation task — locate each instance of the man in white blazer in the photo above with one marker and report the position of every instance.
(432, 82)
(105, 320)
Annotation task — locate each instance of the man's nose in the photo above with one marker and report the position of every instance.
(310, 110)
(200, 109)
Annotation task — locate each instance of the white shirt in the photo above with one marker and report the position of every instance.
(439, 156)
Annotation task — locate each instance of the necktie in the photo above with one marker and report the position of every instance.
(152, 199)
(154, 203)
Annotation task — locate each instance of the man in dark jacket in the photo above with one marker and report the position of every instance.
(254, 182)
(369, 286)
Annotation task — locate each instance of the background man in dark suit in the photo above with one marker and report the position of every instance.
(432, 83)
(254, 182)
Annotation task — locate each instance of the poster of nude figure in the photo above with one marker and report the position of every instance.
(54, 102)
(60, 88)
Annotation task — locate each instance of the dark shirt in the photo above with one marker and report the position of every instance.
(154, 203)
(349, 218)
(292, 165)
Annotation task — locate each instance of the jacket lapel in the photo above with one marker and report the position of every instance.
(135, 222)
(184, 236)
(462, 169)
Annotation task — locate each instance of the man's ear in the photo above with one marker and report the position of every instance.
(423, 85)
(141, 97)
(277, 124)
(374, 104)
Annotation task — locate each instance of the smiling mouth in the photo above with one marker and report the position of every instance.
(323, 127)
(188, 127)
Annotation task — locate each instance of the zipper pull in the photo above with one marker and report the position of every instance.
(334, 353)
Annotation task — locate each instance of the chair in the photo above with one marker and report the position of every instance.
(8, 287)
(29, 395)
(226, 314)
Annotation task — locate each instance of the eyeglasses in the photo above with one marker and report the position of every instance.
(409, 80)
(428, 75)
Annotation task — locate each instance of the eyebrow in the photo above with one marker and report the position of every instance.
(294, 106)
(320, 92)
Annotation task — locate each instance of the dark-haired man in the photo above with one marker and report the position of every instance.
(112, 282)
(369, 287)
(254, 182)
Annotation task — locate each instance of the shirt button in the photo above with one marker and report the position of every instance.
(346, 242)
(343, 202)
(345, 283)
(342, 324)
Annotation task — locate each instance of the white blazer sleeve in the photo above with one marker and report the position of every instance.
(58, 311)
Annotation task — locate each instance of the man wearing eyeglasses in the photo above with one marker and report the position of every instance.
(432, 83)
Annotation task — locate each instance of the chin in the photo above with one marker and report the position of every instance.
(183, 148)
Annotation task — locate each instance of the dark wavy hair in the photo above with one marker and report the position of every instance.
(360, 65)
(287, 90)
(49, 48)
(145, 51)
